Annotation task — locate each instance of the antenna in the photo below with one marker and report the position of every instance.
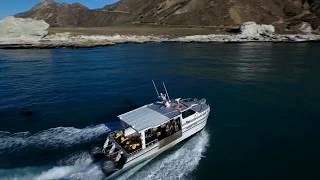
(166, 90)
(155, 87)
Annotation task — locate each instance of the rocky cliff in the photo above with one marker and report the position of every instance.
(15, 30)
(285, 15)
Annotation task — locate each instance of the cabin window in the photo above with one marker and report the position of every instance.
(162, 131)
(187, 113)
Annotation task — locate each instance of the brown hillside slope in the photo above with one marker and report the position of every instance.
(284, 14)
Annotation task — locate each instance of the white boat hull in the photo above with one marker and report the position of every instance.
(195, 125)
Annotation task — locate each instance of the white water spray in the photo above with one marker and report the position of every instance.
(178, 164)
(54, 138)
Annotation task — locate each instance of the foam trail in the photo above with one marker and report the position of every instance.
(54, 138)
(78, 166)
(21, 173)
(176, 165)
(81, 168)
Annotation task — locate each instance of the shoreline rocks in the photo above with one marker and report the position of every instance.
(252, 29)
(82, 41)
(29, 33)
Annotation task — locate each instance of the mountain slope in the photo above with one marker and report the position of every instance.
(281, 13)
(57, 14)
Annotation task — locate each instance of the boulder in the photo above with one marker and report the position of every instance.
(252, 29)
(306, 28)
(21, 29)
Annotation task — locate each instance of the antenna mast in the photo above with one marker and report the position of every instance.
(166, 91)
(155, 87)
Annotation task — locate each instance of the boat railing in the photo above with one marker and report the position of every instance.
(152, 142)
(104, 150)
(136, 151)
(188, 99)
(112, 154)
(121, 147)
(147, 145)
(112, 139)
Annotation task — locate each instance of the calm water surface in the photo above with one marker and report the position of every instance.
(56, 103)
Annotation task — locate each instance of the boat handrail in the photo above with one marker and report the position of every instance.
(113, 153)
(112, 139)
(109, 146)
(187, 99)
(134, 152)
(152, 142)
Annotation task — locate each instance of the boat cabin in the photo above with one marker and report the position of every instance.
(152, 123)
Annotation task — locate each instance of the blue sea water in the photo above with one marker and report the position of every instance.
(56, 103)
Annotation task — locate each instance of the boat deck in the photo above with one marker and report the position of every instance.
(176, 109)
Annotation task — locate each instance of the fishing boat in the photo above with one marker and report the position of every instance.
(150, 130)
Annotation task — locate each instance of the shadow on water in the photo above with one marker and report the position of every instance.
(36, 118)
(27, 113)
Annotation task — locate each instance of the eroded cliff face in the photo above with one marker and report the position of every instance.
(285, 15)
(19, 29)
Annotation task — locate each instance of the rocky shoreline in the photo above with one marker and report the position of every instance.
(292, 38)
(96, 41)
(68, 40)
(21, 33)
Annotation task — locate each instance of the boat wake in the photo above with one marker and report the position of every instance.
(178, 164)
(78, 166)
(60, 138)
(54, 138)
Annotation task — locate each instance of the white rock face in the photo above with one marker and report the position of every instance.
(252, 32)
(306, 28)
(252, 29)
(20, 29)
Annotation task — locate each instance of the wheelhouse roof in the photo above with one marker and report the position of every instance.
(155, 114)
(143, 118)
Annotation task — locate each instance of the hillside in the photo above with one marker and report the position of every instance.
(283, 14)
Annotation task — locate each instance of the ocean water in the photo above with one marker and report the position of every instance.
(57, 103)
